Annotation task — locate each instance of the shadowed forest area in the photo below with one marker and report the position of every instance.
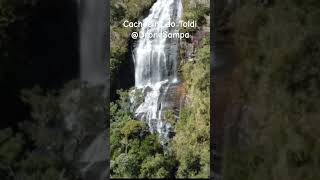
(271, 115)
(47, 113)
(38, 47)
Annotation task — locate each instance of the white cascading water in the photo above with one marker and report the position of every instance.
(156, 64)
(93, 65)
(93, 29)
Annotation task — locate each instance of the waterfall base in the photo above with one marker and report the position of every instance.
(161, 98)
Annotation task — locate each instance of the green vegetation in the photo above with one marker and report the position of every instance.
(34, 140)
(135, 152)
(44, 147)
(279, 49)
(192, 140)
(123, 10)
(196, 12)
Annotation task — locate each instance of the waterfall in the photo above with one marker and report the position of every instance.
(93, 28)
(93, 160)
(156, 64)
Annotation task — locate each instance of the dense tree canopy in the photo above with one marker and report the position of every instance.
(192, 140)
(279, 50)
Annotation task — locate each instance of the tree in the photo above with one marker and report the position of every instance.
(126, 166)
(11, 150)
(152, 167)
(133, 129)
(280, 91)
(191, 142)
(61, 121)
(132, 143)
